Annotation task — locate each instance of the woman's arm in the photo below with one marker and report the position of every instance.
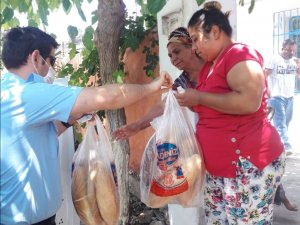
(247, 81)
(131, 129)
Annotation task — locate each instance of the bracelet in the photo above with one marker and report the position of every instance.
(67, 125)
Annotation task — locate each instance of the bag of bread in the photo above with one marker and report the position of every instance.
(172, 167)
(94, 182)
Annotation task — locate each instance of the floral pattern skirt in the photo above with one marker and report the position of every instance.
(246, 199)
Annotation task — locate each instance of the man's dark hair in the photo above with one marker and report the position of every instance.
(288, 42)
(20, 42)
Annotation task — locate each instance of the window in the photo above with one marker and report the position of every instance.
(294, 32)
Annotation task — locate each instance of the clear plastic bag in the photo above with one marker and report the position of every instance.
(94, 181)
(172, 167)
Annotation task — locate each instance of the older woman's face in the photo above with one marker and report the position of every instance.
(180, 55)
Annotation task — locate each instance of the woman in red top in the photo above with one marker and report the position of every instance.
(242, 150)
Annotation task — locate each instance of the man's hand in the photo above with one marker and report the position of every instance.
(164, 81)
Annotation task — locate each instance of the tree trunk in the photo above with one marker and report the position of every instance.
(111, 14)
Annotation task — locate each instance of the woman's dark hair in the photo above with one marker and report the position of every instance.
(210, 15)
(20, 42)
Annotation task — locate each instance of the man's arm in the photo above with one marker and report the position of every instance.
(267, 72)
(115, 96)
(60, 127)
(298, 65)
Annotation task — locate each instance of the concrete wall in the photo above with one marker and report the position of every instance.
(134, 63)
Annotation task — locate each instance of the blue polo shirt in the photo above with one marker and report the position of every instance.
(30, 180)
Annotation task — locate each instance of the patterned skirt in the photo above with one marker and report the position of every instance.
(246, 199)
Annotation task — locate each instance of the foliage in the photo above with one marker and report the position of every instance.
(199, 2)
(137, 26)
(251, 7)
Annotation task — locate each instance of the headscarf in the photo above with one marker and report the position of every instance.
(181, 36)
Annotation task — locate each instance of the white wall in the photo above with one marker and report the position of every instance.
(185, 9)
(256, 29)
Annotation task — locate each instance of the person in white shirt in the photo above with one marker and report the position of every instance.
(281, 72)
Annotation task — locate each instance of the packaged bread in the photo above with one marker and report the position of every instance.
(165, 176)
(172, 168)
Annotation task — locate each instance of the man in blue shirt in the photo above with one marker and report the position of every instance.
(30, 181)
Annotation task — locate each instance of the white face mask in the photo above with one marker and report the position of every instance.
(51, 75)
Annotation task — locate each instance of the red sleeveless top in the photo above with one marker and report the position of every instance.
(224, 137)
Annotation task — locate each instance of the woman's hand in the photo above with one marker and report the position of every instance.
(125, 131)
(189, 97)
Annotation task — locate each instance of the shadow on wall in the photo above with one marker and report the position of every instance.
(134, 62)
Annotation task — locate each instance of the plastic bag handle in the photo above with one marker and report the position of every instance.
(104, 138)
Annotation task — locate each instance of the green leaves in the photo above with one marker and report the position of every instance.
(199, 2)
(87, 38)
(66, 6)
(72, 52)
(251, 7)
(23, 6)
(78, 4)
(154, 6)
(73, 32)
(151, 60)
(118, 76)
(7, 15)
(94, 17)
(43, 11)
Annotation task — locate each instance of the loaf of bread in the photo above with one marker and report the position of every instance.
(194, 169)
(155, 201)
(106, 193)
(83, 197)
(94, 193)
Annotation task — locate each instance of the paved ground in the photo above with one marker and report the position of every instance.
(291, 179)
